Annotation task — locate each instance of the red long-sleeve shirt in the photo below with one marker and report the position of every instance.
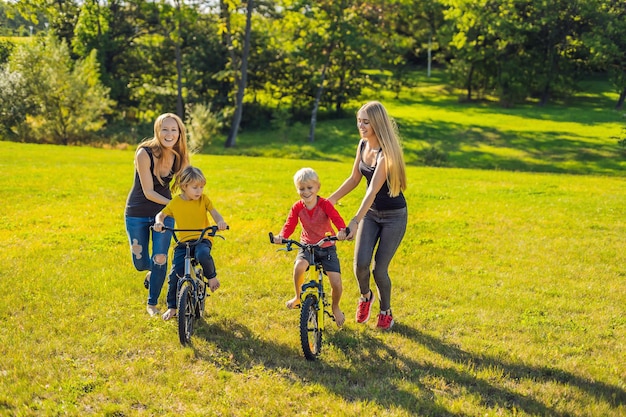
(315, 222)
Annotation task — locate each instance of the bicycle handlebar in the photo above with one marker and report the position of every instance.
(290, 242)
(207, 231)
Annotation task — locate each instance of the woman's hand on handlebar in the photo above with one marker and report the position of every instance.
(158, 227)
(221, 225)
(343, 234)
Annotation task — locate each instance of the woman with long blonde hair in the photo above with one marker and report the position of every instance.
(157, 161)
(380, 222)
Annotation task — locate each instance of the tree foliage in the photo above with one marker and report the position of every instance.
(308, 57)
(66, 100)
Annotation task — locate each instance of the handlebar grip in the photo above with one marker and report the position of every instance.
(271, 237)
(347, 231)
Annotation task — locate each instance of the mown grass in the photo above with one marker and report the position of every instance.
(508, 293)
(575, 136)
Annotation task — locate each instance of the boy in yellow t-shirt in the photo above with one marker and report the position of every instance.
(189, 209)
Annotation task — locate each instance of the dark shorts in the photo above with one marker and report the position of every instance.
(328, 257)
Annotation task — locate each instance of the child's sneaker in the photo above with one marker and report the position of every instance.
(385, 320)
(364, 308)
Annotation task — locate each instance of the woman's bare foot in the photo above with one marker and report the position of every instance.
(293, 303)
(152, 310)
(169, 314)
(340, 318)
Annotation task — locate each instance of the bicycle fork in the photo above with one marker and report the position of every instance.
(317, 291)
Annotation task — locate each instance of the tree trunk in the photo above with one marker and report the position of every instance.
(318, 97)
(620, 100)
(179, 83)
(232, 137)
(470, 77)
(179, 65)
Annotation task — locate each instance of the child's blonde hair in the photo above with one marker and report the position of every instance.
(305, 175)
(189, 175)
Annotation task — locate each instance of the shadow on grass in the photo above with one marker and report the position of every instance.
(375, 371)
(612, 395)
(467, 145)
(479, 147)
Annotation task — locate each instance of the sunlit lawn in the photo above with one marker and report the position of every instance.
(508, 293)
(576, 136)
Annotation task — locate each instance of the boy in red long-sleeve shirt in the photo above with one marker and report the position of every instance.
(315, 214)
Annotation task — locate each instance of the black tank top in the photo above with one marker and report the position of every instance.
(382, 201)
(137, 205)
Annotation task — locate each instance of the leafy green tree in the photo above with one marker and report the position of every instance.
(69, 101)
(243, 75)
(518, 48)
(17, 104)
(6, 47)
(61, 16)
(112, 29)
(205, 58)
(554, 44)
(607, 44)
(332, 43)
(12, 23)
(473, 44)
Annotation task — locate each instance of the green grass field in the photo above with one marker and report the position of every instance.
(508, 293)
(574, 136)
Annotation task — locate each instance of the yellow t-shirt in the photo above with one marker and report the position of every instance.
(189, 214)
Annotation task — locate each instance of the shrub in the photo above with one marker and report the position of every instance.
(202, 126)
(69, 101)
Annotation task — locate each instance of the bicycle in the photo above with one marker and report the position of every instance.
(314, 305)
(191, 291)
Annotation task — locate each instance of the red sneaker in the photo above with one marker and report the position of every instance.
(364, 308)
(385, 321)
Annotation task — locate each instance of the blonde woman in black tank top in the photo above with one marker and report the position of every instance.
(157, 161)
(380, 222)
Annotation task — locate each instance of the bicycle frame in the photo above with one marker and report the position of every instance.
(190, 274)
(190, 261)
(190, 298)
(313, 303)
(316, 286)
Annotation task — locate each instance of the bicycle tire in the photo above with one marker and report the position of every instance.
(186, 313)
(310, 332)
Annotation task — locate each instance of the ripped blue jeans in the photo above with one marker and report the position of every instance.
(139, 237)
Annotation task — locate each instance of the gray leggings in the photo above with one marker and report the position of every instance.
(387, 228)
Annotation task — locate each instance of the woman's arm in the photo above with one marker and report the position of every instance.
(158, 221)
(142, 164)
(378, 179)
(351, 182)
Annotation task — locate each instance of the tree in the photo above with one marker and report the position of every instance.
(113, 28)
(61, 15)
(17, 103)
(69, 101)
(607, 44)
(555, 44)
(518, 48)
(232, 136)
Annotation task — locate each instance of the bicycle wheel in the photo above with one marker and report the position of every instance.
(310, 332)
(186, 313)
